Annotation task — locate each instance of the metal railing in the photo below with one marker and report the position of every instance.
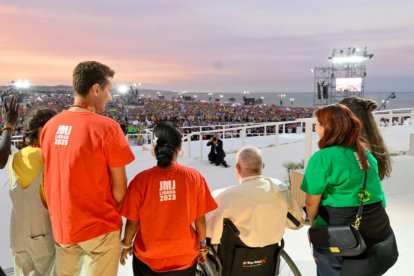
(306, 125)
(384, 118)
(243, 131)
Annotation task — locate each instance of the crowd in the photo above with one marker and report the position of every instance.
(69, 190)
(135, 117)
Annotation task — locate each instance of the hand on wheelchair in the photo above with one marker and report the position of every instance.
(202, 255)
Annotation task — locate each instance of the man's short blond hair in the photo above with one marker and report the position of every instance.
(250, 159)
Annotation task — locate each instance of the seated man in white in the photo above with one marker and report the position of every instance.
(258, 206)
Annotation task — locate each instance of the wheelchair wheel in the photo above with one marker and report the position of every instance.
(287, 266)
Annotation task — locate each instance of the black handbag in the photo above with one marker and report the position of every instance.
(340, 240)
(378, 259)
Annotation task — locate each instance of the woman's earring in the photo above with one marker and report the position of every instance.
(181, 153)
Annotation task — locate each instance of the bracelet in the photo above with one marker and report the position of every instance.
(12, 128)
(203, 243)
(124, 246)
(203, 251)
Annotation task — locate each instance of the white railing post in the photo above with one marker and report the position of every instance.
(189, 145)
(277, 135)
(201, 145)
(243, 136)
(411, 117)
(411, 145)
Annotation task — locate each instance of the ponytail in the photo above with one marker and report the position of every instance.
(168, 141)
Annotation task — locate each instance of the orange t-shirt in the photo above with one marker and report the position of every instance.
(78, 149)
(166, 201)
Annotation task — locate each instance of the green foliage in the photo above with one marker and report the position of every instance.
(290, 165)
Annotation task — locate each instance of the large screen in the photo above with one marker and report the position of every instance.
(349, 84)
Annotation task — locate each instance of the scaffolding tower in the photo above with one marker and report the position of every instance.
(345, 77)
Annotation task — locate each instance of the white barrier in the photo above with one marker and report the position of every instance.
(411, 145)
(398, 116)
(244, 131)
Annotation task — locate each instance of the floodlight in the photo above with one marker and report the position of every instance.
(343, 78)
(350, 55)
(123, 88)
(21, 84)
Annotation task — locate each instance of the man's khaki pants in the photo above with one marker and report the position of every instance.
(101, 256)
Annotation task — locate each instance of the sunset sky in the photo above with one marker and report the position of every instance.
(217, 46)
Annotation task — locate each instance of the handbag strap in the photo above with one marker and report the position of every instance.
(361, 196)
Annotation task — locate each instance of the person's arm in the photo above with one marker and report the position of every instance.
(119, 183)
(9, 112)
(214, 219)
(200, 225)
(312, 205)
(131, 228)
(295, 211)
(5, 145)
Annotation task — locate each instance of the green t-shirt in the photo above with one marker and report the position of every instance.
(334, 173)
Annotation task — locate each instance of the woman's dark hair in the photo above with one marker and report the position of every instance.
(341, 128)
(168, 140)
(363, 108)
(37, 120)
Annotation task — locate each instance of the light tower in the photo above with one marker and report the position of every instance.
(345, 77)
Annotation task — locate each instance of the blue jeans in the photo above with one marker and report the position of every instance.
(327, 265)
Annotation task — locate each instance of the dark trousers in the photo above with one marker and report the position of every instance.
(327, 265)
(141, 269)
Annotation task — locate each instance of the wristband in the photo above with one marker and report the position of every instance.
(124, 246)
(12, 128)
(203, 243)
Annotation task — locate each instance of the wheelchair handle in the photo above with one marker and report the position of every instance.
(232, 226)
(293, 219)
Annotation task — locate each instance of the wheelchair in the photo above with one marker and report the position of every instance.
(234, 258)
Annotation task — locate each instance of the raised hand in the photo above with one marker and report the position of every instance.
(10, 111)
